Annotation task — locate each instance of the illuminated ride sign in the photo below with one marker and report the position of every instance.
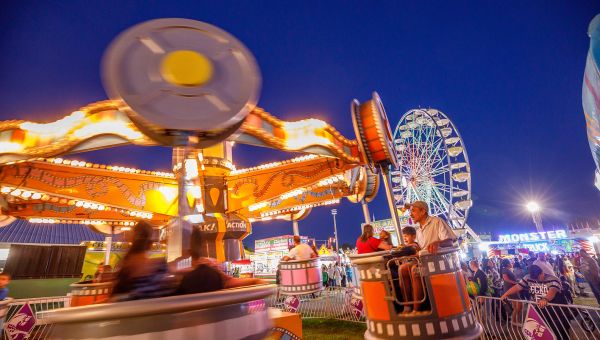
(533, 237)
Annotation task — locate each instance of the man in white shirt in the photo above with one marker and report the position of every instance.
(301, 251)
(545, 265)
(433, 233)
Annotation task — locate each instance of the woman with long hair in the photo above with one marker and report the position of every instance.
(139, 276)
(366, 243)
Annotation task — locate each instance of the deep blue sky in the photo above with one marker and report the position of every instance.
(508, 74)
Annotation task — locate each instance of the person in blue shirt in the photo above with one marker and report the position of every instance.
(4, 281)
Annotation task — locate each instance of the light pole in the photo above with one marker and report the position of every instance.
(535, 210)
(334, 212)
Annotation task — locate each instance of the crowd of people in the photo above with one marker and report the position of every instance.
(336, 274)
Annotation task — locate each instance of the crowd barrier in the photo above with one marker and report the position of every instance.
(330, 303)
(565, 321)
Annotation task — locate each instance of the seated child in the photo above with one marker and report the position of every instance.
(412, 289)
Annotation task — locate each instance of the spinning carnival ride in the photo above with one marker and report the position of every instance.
(434, 166)
(193, 87)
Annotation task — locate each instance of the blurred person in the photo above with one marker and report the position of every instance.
(591, 272)
(4, 281)
(386, 238)
(465, 271)
(545, 265)
(331, 275)
(545, 289)
(510, 279)
(205, 274)
(518, 270)
(495, 283)
(325, 276)
(139, 276)
(366, 243)
(337, 275)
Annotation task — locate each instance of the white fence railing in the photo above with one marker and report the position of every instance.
(565, 321)
(331, 303)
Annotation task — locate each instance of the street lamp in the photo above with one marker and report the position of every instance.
(535, 209)
(334, 212)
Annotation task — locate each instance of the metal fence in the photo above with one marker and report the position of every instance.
(331, 303)
(41, 329)
(505, 319)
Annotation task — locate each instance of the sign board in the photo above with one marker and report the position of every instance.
(534, 327)
(281, 243)
(20, 324)
(533, 237)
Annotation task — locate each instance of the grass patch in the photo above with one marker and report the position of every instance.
(332, 329)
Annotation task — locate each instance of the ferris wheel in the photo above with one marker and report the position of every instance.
(433, 166)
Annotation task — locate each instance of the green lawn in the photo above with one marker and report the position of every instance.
(332, 329)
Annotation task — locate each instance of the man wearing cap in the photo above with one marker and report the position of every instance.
(433, 232)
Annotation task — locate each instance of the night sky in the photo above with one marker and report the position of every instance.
(509, 74)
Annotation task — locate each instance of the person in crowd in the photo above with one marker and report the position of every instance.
(205, 275)
(545, 265)
(591, 272)
(366, 243)
(510, 279)
(545, 289)
(479, 279)
(4, 281)
(139, 276)
(409, 234)
(301, 251)
(495, 284)
(337, 275)
(386, 238)
(325, 275)
(348, 274)
(569, 272)
(343, 274)
(464, 269)
(331, 275)
(518, 269)
(433, 233)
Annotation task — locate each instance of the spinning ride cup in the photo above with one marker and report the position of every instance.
(300, 277)
(83, 294)
(451, 315)
(238, 313)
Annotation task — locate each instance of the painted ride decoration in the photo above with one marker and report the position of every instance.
(450, 314)
(300, 277)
